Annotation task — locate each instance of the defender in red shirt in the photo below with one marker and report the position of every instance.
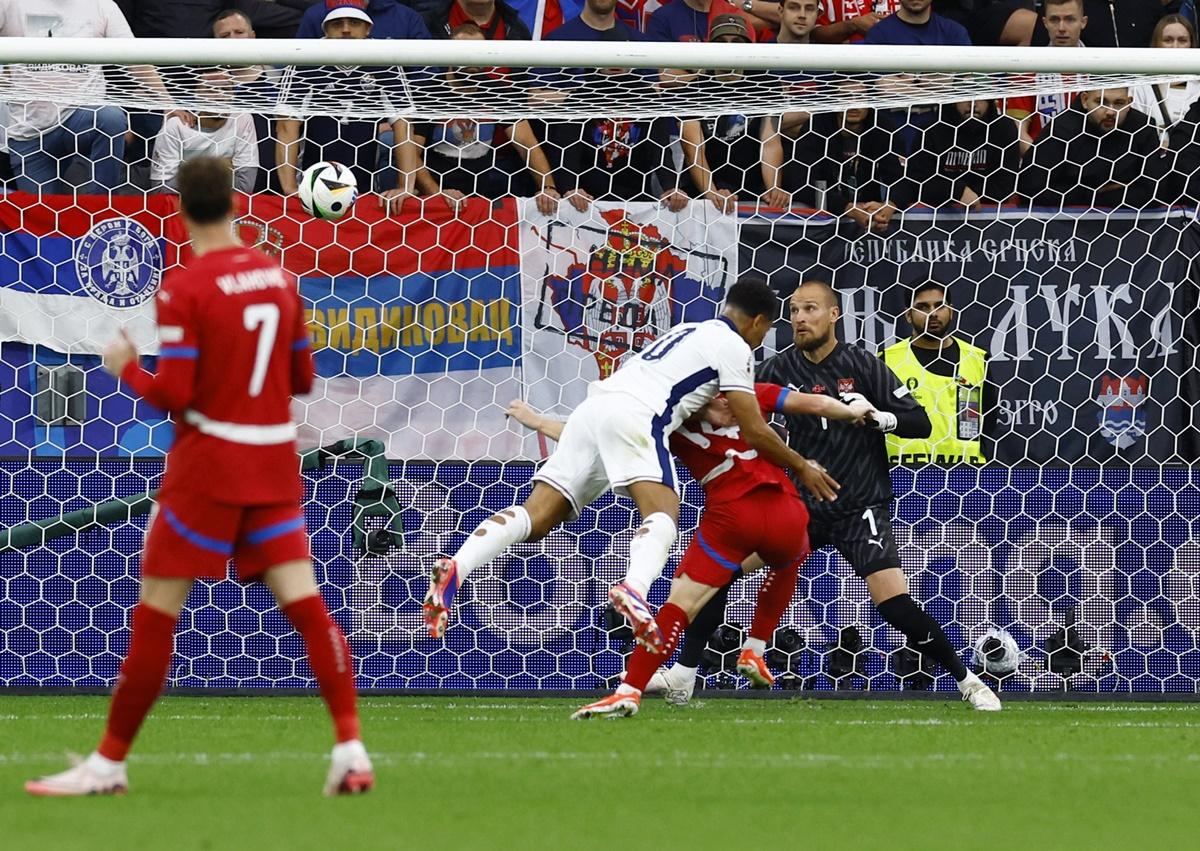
(751, 508)
(234, 349)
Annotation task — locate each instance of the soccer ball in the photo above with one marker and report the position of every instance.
(328, 190)
(996, 652)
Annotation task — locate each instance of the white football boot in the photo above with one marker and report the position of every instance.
(92, 776)
(350, 771)
(976, 693)
(679, 685)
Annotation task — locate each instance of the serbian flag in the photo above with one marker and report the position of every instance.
(414, 318)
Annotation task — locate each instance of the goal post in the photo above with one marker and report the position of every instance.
(528, 218)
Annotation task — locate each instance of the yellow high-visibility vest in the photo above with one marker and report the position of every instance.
(954, 405)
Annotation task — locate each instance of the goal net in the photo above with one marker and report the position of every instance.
(532, 213)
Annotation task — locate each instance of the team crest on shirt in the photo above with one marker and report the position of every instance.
(119, 263)
(1122, 418)
(845, 385)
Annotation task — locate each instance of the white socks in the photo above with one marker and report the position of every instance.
(756, 644)
(648, 551)
(682, 673)
(492, 537)
(969, 680)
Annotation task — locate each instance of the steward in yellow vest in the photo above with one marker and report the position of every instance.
(946, 376)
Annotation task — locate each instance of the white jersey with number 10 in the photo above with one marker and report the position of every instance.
(683, 370)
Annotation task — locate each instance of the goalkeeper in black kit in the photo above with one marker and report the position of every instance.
(858, 522)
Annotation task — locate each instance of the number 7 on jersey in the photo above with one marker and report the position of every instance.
(263, 318)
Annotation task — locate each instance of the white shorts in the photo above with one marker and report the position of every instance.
(607, 444)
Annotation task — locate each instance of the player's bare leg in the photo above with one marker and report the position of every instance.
(296, 592)
(687, 598)
(143, 674)
(531, 521)
(889, 592)
(648, 551)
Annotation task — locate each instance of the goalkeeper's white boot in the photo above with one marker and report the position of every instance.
(350, 770)
(92, 776)
(614, 706)
(658, 682)
(976, 693)
(678, 685)
(443, 585)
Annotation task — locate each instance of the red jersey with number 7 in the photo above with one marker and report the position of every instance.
(233, 351)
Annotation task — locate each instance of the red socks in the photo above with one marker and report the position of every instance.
(774, 596)
(642, 663)
(142, 676)
(145, 670)
(330, 660)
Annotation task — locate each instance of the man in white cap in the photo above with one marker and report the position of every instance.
(312, 92)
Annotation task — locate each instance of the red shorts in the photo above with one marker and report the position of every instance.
(192, 537)
(766, 521)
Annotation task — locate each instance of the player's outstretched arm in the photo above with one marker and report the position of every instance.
(528, 417)
(762, 437)
(820, 405)
(170, 388)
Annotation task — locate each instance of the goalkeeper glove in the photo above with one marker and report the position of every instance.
(858, 403)
(884, 421)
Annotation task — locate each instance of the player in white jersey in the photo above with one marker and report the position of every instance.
(617, 438)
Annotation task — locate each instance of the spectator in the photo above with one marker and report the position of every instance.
(43, 137)
(229, 136)
(680, 20)
(496, 19)
(845, 164)
(1105, 154)
(948, 377)
(1183, 156)
(1066, 22)
(797, 23)
(392, 19)
(257, 87)
(195, 18)
(844, 21)
(597, 22)
(1007, 23)
(470, 156)
(1166, 103)
(613, 158)
(797, 20)
(319, 136)
(250, 78)
(915, 23)
(1115, 23)
(733, 157)
(969, 157)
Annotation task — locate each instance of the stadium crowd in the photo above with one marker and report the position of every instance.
(1115, 147)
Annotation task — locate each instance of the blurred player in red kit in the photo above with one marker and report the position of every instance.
(751, 508)
(233, 350)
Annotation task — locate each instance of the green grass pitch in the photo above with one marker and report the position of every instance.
(489, 773)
